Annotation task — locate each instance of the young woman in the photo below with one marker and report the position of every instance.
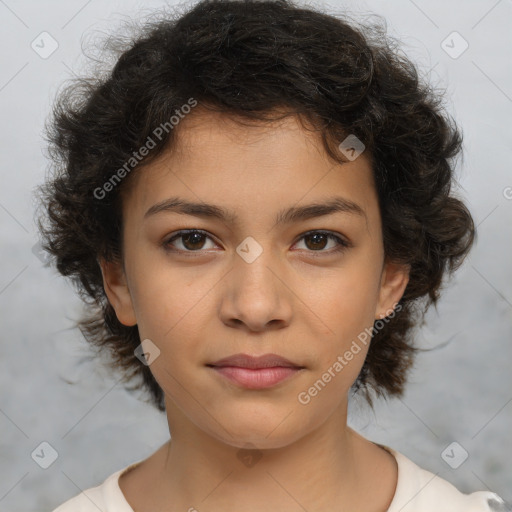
(257, 201)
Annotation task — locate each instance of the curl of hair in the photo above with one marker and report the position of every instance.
(257, 61)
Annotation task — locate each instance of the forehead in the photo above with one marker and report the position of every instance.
(250, 168)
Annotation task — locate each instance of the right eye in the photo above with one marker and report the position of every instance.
(192, 241)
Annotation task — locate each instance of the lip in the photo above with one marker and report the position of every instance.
(255, 372)
(255, 362)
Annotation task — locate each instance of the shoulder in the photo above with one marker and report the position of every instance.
(419, 490)
(106, 497)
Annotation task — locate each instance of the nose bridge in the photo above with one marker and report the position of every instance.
(253, 263)
(255, 294)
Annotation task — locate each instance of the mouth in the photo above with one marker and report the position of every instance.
(255, 372)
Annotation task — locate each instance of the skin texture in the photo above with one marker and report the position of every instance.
(298, 299)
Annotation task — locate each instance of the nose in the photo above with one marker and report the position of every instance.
(256, 295)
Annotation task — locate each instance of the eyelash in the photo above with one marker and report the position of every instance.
(342, 244)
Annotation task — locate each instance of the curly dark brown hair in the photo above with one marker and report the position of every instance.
(254, 60)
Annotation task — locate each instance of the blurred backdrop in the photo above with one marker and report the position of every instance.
(57, 401)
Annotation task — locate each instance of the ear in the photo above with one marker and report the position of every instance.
(118, 293)
(394, 280)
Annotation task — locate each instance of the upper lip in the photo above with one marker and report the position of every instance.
(254, 362)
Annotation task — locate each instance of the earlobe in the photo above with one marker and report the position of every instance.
(394, 280)
(118, 293)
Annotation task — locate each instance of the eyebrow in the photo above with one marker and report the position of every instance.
(286, 216)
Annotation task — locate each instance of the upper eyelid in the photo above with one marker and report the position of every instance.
(178, 234)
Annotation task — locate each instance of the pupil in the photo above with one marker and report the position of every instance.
(197, 239)
(315, 238)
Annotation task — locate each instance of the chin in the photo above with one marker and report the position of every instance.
(260, 434)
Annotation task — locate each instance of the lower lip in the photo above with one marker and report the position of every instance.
(259, 378)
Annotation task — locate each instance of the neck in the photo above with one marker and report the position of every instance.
(330, 468)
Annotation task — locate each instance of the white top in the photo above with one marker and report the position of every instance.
(417, 490)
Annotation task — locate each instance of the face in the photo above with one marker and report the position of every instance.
(269, 276)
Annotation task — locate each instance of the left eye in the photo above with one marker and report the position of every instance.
(193, 241)
(319, 238)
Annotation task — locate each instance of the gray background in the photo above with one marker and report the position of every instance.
(460, 392)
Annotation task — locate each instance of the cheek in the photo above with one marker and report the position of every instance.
(169, 299)
(346, 303)
(173, 308)
(346, 306)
